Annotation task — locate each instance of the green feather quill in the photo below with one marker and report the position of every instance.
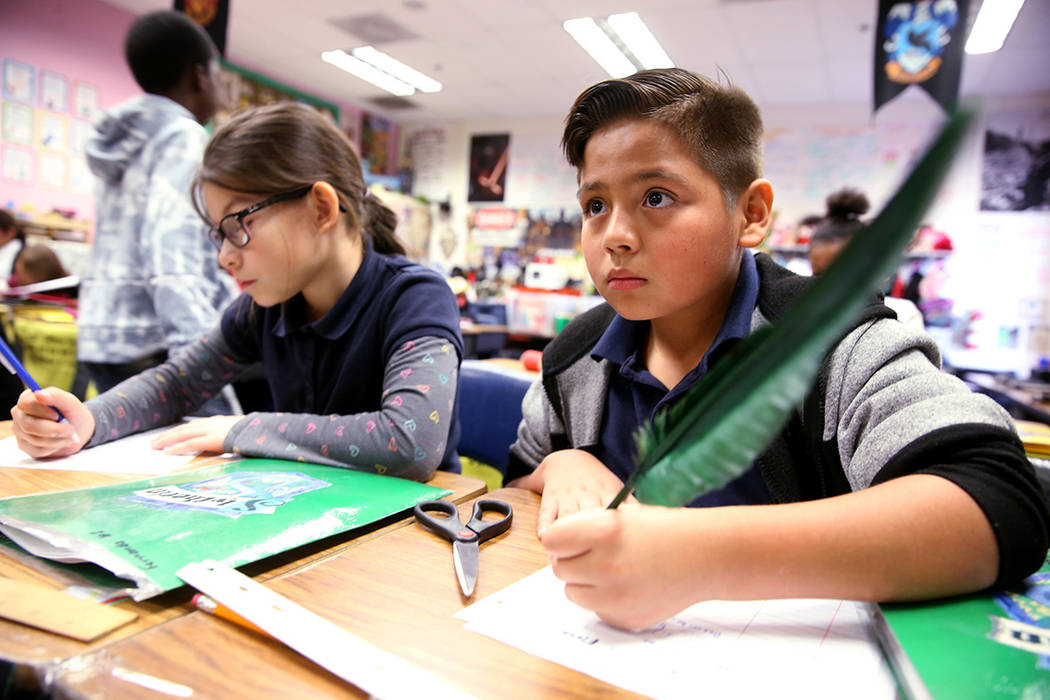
(713, 434)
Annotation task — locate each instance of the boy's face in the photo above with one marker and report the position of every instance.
(657, 237)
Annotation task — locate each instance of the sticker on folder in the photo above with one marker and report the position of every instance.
(232, 495)
(236, 513)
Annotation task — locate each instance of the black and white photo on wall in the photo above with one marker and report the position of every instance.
(1015, 172)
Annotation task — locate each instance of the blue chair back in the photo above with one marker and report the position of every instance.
(489, 406)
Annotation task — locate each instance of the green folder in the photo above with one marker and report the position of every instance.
(942, 649)
(236, 513)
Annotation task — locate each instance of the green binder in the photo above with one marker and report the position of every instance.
(942, 649)
(236, 513)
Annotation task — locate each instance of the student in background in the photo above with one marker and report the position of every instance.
(12, 240)
(36, 263)
(832, 235)
(901, 485)
(152, 285)
(360, 347)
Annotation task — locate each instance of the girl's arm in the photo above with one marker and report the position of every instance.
(406, 437)
(164, 394)
(911, 538)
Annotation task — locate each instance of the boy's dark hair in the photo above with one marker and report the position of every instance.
(161, 46)
(721, 125)
(842, 220)
(287, 146)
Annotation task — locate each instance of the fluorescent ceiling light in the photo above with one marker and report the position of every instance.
(364, 71)
(640, 41)
(389, 64)
(597, 43)
(993, 23)
(621, 44)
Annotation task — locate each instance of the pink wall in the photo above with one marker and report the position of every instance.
(83, 41)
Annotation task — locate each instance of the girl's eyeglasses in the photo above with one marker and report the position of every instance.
(232, 227)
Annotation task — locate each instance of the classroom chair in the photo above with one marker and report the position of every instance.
(489, 407)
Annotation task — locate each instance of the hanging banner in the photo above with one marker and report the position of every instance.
(210, 14)
(920, 43)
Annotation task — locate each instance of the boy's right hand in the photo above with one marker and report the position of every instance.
(36, 427)
(571, 481)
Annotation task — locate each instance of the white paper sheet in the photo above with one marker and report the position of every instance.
(820, 648)
(130, 455)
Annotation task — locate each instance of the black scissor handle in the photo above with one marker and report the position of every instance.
(487, 529)
(451, 528)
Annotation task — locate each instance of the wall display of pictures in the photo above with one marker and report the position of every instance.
(54, 171)
(488, 167)
(19, 81)
(54, 91)
(85, 100)
(16, 164)
(52, 131)
(18, 123)
(79, 133)
(1015, 173)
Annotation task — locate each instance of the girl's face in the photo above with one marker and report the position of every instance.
(280, 260)
(657, 236)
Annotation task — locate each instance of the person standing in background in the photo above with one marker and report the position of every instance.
(153, 285)
(831, 236)
(12, 240)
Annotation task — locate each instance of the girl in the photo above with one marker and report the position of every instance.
(360, 347)
(12, 240)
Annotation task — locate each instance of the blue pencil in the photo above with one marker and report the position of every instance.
(14, 366)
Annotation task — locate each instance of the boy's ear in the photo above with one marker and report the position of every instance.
(325, 204)
(756, 211)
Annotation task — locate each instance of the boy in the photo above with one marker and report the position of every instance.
(153, 285)
(670, 185)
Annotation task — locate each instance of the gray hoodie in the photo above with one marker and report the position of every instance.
(154, 282)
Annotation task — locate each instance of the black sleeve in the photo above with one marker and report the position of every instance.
(989, 463)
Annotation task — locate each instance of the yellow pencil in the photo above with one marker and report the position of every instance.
(212, 607)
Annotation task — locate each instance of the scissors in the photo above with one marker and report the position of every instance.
(465, 538)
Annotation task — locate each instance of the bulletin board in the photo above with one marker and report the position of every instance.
(806, 164)
(241, 88)
(45, 118)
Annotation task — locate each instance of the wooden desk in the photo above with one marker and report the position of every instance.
(40, 651)
(397, 591)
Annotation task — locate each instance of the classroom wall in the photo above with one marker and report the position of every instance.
(999, 270)
(83, 41)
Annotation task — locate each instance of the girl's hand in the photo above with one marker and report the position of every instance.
(36, 427)
(197, 435)
(570, 481)
(634, 566)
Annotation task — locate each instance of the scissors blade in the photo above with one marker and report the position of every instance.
(465, 559)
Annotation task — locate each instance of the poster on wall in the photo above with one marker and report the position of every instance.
(16, 164)
(488, 167)
(1015, 171)
(54, 91)
(211, 15)
(19, 81)
(85, 100)
(18, 123)
(376, 139)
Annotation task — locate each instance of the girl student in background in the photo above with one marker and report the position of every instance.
(359, 346)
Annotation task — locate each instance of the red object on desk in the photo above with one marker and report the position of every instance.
(532, 360)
